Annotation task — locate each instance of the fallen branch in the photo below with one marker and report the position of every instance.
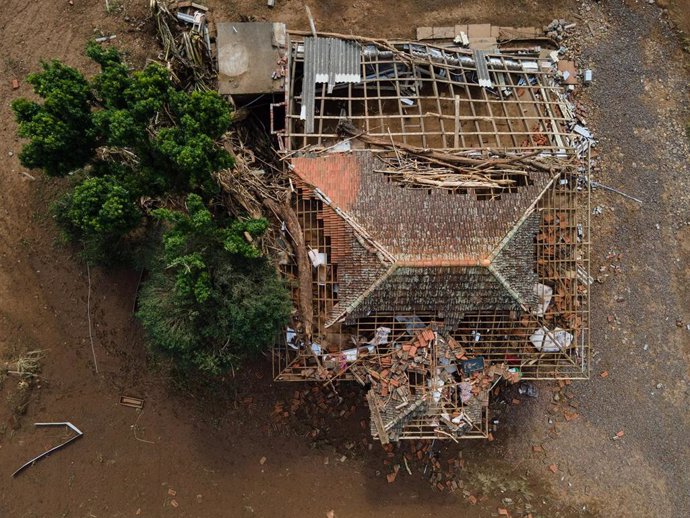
(285, 213)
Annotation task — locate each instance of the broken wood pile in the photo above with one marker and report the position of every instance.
(250, 181)
(187, 50)
(428, 382)
(447, 170)
(27, 365)
(419, 173)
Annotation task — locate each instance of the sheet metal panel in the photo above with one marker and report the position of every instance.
(482, 68)
(330, 61)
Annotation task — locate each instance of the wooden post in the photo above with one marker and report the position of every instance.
(456, 135)
(311, 21)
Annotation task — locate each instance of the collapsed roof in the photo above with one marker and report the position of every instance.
(436, 191)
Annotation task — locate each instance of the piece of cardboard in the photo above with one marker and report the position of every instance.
(569, 66)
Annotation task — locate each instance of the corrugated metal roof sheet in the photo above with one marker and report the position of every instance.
(482, 68)
(330, 61)
(336, 61)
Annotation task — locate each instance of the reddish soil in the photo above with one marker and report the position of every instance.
(206, 446)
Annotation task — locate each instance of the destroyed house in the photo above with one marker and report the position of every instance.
(445, 230)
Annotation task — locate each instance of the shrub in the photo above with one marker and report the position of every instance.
(99, 206)
(211, 301)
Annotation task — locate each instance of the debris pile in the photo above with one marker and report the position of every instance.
(430, 360)
(557, 29)
(429, 375)
(187, 35)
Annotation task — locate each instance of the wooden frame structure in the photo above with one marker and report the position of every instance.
(413, 94)
(429, 96)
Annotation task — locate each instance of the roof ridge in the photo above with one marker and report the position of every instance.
(526, 214)
(507, 286)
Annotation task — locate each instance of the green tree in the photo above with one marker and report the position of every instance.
(60, 131)
(99, 206)
(132, 128)
(173, 136)
(212, 299)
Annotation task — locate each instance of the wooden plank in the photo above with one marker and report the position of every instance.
(376, 417)
(132, 402)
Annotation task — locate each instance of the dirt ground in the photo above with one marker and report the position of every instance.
(198, 455)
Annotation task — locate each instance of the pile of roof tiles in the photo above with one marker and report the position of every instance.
(431, 382)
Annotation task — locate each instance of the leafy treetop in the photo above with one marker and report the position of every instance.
(174, 135)
(100, 206)
(213, 299)
(60, 130)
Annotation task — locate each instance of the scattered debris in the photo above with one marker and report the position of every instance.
(28, 365)
(545, 293)
(527, 389)
(78, 435)
(551, 341)
(557, 28)
(587, 76)
(187, 50)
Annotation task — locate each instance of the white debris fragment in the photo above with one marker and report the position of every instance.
(551, 341)
(544, 294)
(381, 336)
(317, 258)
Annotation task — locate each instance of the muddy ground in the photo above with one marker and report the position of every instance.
(190, 453)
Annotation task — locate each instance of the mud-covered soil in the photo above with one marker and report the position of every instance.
(192, 453)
